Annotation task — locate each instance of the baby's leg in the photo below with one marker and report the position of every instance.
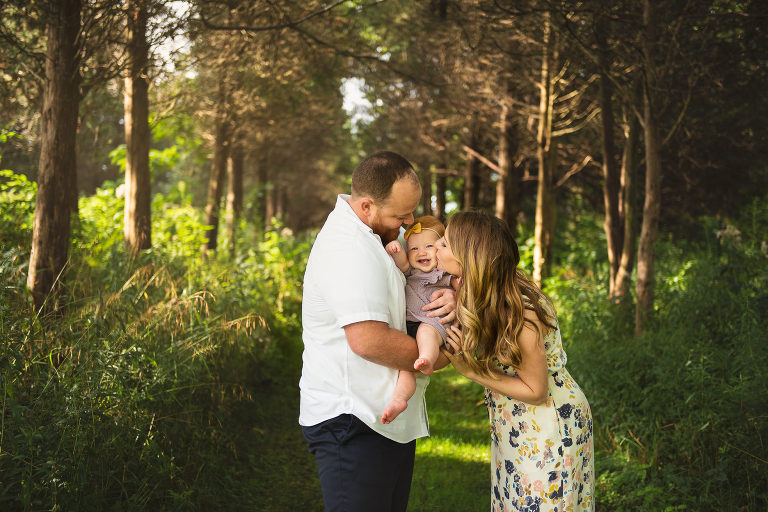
(429, 341)
(404, 389)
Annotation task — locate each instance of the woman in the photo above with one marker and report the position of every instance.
(509, 342)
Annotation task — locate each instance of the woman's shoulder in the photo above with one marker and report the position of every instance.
(544, 303)
(547, 325)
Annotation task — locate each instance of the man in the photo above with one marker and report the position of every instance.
(353, 317)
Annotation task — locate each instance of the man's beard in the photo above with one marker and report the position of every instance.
(386, 235)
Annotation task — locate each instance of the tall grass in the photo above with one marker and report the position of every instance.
(120, 402)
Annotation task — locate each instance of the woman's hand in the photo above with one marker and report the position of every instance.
(443, 303)
(455, 354)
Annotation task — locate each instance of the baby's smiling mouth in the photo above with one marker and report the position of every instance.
(425, 261)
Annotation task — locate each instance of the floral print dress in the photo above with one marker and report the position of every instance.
(542, 456)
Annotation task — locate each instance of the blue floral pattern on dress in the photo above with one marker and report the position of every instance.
(542, 455)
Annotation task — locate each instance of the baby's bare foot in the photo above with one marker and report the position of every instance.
(424, 366)
(394, 408)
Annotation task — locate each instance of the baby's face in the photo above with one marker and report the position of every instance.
(422, 250)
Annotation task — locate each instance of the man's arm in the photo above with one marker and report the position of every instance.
(442, 361)
(380, 344)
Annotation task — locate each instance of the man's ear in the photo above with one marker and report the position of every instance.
(366, 205)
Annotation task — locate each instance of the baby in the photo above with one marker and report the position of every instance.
(422, 279)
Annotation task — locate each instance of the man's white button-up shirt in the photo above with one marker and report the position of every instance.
(350, 278)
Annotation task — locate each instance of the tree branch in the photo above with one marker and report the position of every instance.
(289, 24)
(573, 170)
(480, 157)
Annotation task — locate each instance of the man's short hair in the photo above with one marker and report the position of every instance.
(375, 176)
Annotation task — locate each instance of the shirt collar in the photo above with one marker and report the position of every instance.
(343, 206)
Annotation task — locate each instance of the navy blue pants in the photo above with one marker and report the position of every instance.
(360, 470)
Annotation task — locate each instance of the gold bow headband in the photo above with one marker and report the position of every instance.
(416, 228)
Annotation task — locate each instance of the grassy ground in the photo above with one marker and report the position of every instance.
(276, 472)
(452, 469)
(279, 472)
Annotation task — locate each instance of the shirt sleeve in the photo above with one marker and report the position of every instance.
(355, 285)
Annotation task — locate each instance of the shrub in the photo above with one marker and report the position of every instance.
(680, 411)
(119, 401)
(17, 195)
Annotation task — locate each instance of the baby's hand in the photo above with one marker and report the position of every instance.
(393, 247)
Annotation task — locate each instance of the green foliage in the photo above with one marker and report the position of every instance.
(170, 382)
(100, 228)
(117, 157)
(281, 258)
(119, 403)
(4, 136)
(177, 227)
(161, 161)
(680, 411)
(17, 196)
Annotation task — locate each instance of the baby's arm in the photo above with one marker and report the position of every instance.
(395, 250)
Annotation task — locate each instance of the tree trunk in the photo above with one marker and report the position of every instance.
(472, 170)
(270, 208)
(440, 190)
(281, 201)
(218, 169)
(627, 209)
(504, 164)
(137, 226)
(508, 185)
(262, 178)
(545, 215)
(546, 154)
(57, 165)
(440, 7)
(234, 193)
(612, 224)
(652, 207)
(426, 191)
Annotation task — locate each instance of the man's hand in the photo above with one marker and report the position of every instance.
(443, 303)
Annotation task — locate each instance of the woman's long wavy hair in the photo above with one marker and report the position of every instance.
(494, 292)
